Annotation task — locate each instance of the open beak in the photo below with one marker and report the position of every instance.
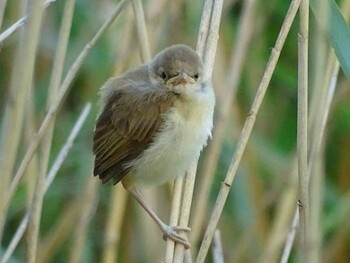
(181, 79)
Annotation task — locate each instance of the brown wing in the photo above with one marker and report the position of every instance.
(126, 127)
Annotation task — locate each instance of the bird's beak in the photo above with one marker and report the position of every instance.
(181, 79)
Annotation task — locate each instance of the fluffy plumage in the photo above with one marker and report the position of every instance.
(155, 119)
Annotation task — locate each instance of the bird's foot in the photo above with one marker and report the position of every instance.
(172, 233)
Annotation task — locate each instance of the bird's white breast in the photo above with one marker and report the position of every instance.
(183, 135)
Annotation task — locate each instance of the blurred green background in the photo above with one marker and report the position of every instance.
(266, 168)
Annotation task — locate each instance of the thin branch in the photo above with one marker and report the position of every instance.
(62, 155)
(16, 238)
(19, 23)
(290, 238)
(247, 129)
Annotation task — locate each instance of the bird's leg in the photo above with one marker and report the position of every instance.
(168, 231)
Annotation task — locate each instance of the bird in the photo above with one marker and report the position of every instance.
(154, 122)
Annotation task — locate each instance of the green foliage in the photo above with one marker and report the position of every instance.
(265, 174)
(337, 31)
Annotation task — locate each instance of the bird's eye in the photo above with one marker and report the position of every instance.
(163, 75)
(196, 76)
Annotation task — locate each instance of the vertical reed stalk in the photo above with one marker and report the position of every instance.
(88, 204)
(59, 232)
(51, 175)
(174, 218)
(185, 208)
(55, 82)
(64, 88)
(208, 57)
(245, 134)
(142, 30)
(290, 238)
(22, 76)
(114, 224)
(206, 48)
(214, 147)
(303, 195)
(286, 207)
(29, 132)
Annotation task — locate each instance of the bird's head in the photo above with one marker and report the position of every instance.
(177, 68)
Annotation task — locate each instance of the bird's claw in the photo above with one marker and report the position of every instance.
(171, 232)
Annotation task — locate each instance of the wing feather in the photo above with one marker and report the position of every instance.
(127, 125)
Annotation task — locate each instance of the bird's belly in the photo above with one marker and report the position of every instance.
(173, 150)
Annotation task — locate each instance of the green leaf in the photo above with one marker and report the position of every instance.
(338, 32)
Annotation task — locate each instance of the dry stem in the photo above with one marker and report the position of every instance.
(231, 83)
(185, 208)
(60, 231)
(248, 126)
(14, 112)
(114, 224)
(321, 103)
(303, 196)
(19, 23)
(282, 220)
(206, 47)
(60, 97)
(142, 30)
(88, 204)
(49, 179)
(62, 155)
(290, 238)
(16, 238)
(174, 218)
(55, 81)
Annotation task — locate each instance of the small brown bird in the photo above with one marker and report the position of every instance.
(155, 121)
